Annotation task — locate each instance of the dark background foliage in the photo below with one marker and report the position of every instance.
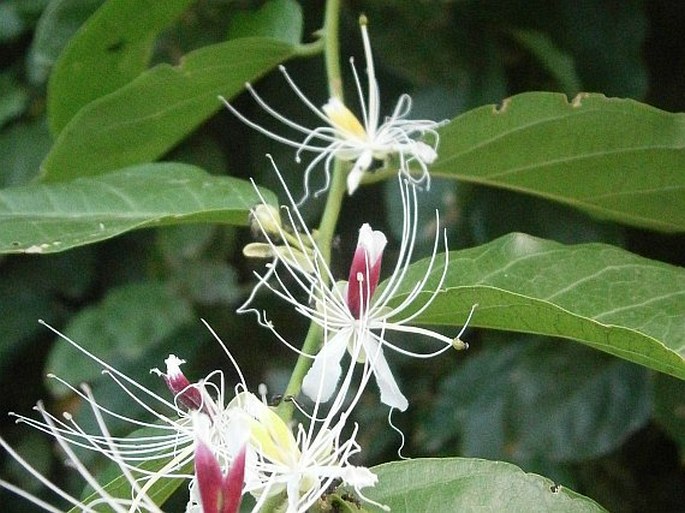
(592, 422)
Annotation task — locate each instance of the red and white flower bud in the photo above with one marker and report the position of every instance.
(187, 394)
(365, 269)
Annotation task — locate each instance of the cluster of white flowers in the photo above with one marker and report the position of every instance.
(228, 442)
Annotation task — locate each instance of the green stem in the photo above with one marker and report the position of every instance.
(329, 218)
(332, 48)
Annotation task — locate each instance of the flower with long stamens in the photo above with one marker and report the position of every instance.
(168, 438)
(201, 426)
(344, 136)
(354, 315)
(133, 498)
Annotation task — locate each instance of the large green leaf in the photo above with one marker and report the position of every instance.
(145, 118)
(617, 159)
(473, 485)
(45, 218)
(597, 294)
(109, 50)
(526, 401)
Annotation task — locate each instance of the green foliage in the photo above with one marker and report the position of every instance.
(617, 159)
(129, 90)
(516, 397)
(600, 295)
(56, 217)
(144, 119)
(58, 23)
(150, 311)
(112, 48)
(460, 484)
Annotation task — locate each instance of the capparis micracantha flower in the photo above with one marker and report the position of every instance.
(355, 316)
(223, 447)
(347, 137)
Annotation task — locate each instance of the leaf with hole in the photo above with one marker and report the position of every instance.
(617, 159)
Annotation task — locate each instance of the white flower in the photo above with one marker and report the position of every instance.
(168, 441)
(302, 466)
(354, 315)
(239, 440)
(345, 137)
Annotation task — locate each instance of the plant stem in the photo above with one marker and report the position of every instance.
(332, 48)
(329, 218)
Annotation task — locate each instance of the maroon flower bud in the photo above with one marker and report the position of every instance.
(187, 394)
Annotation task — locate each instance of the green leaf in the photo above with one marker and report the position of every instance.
(55, 217)
(111, 49)
(277, 19)
(461, 484)
(144, 119)
(596, 294)
(616, 159)
(528, 402)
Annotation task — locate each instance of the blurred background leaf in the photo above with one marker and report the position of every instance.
(516, 397)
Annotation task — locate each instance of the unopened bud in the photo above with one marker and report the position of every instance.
(188, 395)
(293, 257)
(265, 220)
(459, 344)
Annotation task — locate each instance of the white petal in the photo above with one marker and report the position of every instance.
(373, 241)
(359, 477)
(357, 172)
(323, 376)
(390, 392)
(424, 152)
